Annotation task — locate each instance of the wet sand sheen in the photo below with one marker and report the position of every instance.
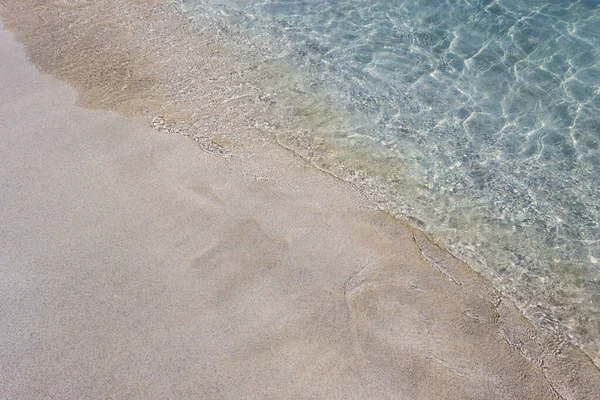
(137, 265)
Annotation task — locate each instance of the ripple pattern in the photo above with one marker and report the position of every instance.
(496, 107)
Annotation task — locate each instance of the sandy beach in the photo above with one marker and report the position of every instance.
(139, 263)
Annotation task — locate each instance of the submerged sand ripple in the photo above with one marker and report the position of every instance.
(136, 266)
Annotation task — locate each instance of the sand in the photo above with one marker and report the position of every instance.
(138, 264)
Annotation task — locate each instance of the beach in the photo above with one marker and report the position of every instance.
(154, 248)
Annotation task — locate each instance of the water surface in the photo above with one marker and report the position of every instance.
(493, 110)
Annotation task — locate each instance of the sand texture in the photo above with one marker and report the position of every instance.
(138, 264)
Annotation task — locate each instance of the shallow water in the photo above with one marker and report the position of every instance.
(491, 107)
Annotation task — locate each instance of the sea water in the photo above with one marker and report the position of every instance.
(491, 107)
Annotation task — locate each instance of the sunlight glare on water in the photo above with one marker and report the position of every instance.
(495, 105)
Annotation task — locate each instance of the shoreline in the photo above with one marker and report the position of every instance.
(147, 59)
(495, 321)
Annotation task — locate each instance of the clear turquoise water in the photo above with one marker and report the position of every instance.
(495, 105)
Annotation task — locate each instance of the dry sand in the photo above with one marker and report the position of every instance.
(135, 265)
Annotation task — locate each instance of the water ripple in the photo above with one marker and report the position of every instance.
(494, 104)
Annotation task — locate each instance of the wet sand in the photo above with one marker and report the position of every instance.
(137, 263)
